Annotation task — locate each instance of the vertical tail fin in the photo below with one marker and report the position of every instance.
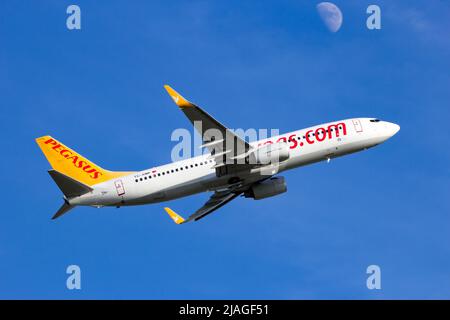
(73, 165)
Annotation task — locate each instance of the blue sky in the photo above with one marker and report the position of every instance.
(251, 64)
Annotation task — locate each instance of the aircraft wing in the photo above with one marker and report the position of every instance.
(217, 200)
(225, 147)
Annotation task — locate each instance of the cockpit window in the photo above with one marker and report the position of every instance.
(374, 120)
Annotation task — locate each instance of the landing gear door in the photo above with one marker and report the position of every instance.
(357, 124)
(119, 187)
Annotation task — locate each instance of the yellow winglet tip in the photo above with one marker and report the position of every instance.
(175, 217)
(177, 98)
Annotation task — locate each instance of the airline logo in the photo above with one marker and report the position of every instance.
(312, 136)
(72, 164)
(76, 160)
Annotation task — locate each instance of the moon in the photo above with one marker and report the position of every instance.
(331, 15)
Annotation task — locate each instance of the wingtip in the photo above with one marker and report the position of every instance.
(179, 100)
(175, 217)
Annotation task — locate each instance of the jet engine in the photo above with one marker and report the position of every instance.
(267, 188)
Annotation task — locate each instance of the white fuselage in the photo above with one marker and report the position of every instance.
(194, 175)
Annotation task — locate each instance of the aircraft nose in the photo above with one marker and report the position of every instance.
(393, 128)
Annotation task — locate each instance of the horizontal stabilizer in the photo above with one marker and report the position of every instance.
(70, 187)
(64, 208)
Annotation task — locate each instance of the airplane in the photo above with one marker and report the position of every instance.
(231, 167)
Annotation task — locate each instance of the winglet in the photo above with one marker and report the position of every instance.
(178, 98)
(175, 217)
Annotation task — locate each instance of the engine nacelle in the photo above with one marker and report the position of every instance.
(267, 188)
(272, 153)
